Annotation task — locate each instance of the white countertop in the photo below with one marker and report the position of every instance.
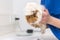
(47, 36)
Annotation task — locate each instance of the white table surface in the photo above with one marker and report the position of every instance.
(47, 36)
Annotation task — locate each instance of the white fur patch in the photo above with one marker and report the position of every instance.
(32, 6)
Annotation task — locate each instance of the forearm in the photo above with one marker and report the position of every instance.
(54, 21)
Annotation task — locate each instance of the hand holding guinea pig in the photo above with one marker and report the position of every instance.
(36, 16)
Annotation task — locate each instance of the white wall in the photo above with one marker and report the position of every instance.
(5, 20)
(5, 6)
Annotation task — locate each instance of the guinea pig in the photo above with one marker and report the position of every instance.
(33, 15)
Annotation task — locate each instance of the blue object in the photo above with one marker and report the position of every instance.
(53, 7)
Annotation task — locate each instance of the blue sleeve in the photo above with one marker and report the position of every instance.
(42, 2)
(53, 7)
(48, 4)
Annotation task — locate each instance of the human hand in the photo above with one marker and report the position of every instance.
(45, 17)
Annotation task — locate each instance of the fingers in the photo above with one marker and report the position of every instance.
(45, 16)
(45, 12)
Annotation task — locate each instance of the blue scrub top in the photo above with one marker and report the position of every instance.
(53, 7)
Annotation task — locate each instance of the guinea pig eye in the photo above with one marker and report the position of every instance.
(34, 15)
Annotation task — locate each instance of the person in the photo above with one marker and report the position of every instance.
(51, 15)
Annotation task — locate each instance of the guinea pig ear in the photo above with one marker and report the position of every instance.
(35, 13)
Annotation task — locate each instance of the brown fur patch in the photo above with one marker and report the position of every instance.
(32, 18)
